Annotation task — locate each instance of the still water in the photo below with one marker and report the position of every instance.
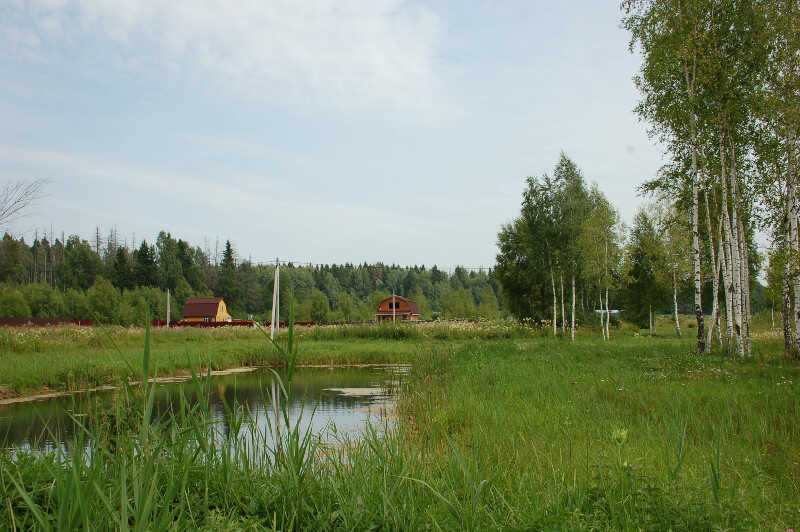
(333, 402)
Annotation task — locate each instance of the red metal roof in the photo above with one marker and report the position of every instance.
(201, 307)
(412, 307)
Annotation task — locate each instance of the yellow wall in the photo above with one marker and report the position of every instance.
(222, 312)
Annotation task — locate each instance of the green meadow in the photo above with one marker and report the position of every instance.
(498, 427)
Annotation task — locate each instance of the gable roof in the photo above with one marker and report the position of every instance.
(411, 305)
(201, 307)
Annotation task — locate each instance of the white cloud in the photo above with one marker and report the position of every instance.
(260, 203)
(347, 53)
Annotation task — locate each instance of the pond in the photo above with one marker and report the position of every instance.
(333, 402)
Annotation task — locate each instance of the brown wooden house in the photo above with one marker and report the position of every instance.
(207, 309)
(398, 307)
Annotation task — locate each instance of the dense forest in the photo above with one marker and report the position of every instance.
(107, 281)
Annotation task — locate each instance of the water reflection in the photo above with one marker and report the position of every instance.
(342, 401)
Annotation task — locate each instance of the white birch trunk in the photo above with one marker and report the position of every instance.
(744, 254)
(746, 314)
(698, 287)
(728, 284)
(608, 317)
(720, 259)
(794, 245)
(602, 316)
(608, 310)
(563, 309)
(572, 328)
(735, 266)
(727, 281)
(650, 316)
(555, 303)
(740, 275)
(675, 301)
(715, 280)
(786, 320)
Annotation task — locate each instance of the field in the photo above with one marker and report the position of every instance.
(499, 428)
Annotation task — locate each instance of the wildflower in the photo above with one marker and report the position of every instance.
(620, 436)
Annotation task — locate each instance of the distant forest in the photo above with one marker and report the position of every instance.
(106, 281)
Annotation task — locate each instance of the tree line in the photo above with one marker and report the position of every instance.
(107, 281)
(568, 260)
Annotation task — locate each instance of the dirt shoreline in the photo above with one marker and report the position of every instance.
(181, 376)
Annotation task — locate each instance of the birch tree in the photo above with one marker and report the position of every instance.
(671, 35)
(600, 252)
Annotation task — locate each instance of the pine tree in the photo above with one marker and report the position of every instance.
(229, 289)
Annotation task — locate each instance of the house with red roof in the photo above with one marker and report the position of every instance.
(205, 309)
(398, 308)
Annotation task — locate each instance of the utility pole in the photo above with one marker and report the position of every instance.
(394, 308)
(276, 286)
(35, 255)
(168, 308)
(276, 302)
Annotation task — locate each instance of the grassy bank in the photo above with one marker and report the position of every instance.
(71, 358)
(522, 433)
(34, 359)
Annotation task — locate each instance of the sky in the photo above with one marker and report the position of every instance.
(323, 131)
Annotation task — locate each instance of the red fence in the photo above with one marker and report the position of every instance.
(202, 324)
(232, 323)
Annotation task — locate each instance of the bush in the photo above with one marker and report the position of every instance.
(13, 304)
(103, 300)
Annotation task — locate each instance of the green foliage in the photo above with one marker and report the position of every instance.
(145, 268)
(44, 301)
(77, 305)
(319, 306)
(488, 307)
(645, 260)
(545, 241)
(13, 303)
(229, 290)
(103, 300)
(459, 304)
(352, 291)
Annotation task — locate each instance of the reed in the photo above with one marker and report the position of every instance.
(522, 433)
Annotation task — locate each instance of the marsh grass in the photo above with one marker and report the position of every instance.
(518, 434)
(35, 359)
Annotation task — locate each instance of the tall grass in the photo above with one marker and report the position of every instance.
(534, 434)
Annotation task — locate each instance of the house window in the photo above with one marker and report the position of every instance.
(393, 305)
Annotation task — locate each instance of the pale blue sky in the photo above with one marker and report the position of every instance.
(325, 131)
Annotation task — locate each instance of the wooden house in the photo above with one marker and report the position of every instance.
(397, 307)
(207, 309)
